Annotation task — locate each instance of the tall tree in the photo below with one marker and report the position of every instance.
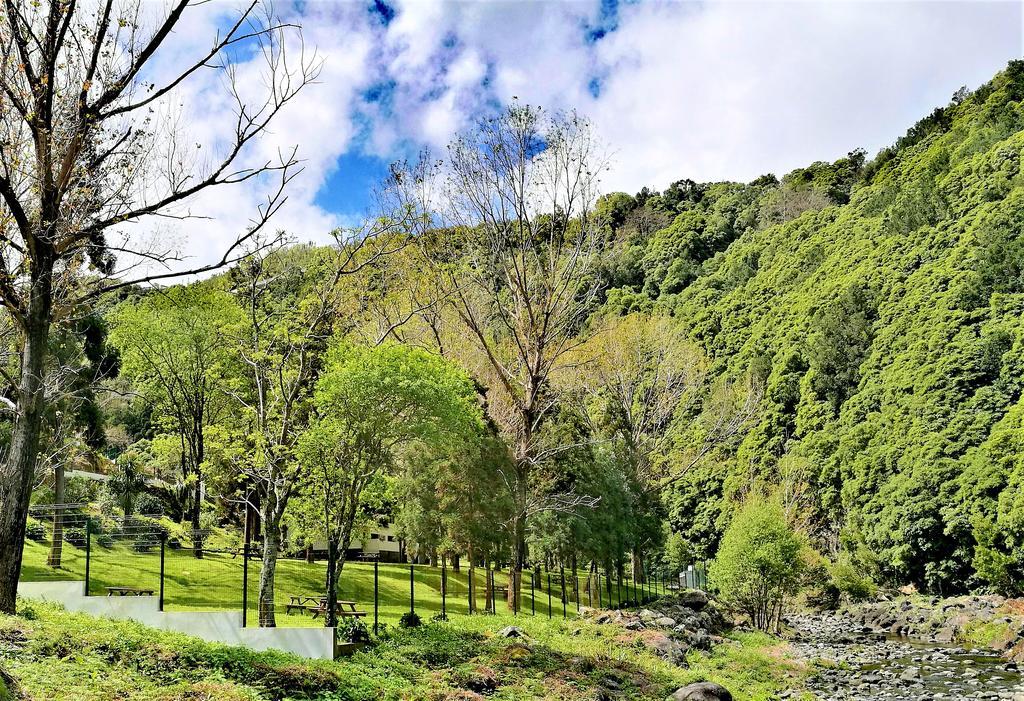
(513, 240)
(292, 300)
(82, 151)
(174, 348)
(373, 406)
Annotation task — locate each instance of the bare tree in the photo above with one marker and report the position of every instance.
(644, 383)
(83, 155)
(281, 349)
(513, 239)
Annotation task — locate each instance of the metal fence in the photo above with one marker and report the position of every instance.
(136, 556)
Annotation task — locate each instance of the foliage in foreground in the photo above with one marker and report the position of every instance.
(54, 654)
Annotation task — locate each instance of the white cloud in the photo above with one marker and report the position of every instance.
(723, 90)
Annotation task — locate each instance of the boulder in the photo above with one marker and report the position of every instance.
(701, 691)
(667, 648)
(693, 599)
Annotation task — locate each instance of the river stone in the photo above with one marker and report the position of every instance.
(701, 691)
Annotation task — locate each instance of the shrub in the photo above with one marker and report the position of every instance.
(849, 580)
(410, 619)
(36, 531)
(75, 536)
(759, 562)
(104, 540)
(353, 630)
(149, 505)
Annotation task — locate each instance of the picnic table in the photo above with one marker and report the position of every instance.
(129, 591)
(318, 605)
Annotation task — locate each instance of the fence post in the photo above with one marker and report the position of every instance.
(600, 602)
(412, 590)
(576, 580)
(163, 546)
(618, 592)
(376, 590)
(88, 553)
(533, 596)
(470, 586)
(245, 583)
(246, 535)
(444, 589)
(562, 577)
(490, 590)
(549, 596)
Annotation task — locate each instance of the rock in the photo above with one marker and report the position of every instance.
(511, 632)
(910, 674)
(693, 599)
(667, 648)
(665, 622)
(701, 691)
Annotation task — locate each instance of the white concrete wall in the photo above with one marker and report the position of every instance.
(215, 626)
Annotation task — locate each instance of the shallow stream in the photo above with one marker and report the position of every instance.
(856, 664)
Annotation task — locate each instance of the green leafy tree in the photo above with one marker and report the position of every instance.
(759, 562)
(174, 348)
(375, 407)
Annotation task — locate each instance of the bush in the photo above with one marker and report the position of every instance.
(353, 630)
(149, 505)
(410, 619)
(104, 540)
(759, 562)
(75, 536)
(36, 531)
(850, 581)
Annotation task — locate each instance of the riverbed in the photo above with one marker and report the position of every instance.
(854, 663)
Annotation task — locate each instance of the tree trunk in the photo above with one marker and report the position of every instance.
(17, 472)
(518, 561)
(268, 572)
(57, 542)
(197, 534)
(637, 563)
(331, 613)
(488, 590)
(455, 563)
(309, 554)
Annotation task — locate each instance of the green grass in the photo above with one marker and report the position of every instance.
(57, 655)
(214, 582)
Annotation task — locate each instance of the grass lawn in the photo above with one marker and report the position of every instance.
(56, 655)
(214, 582)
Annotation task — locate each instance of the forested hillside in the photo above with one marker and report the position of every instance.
(878, 305)
(845, 339)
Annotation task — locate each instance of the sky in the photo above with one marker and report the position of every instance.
(702, 90)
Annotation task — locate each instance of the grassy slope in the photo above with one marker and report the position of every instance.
(215, 582)
(56, 655)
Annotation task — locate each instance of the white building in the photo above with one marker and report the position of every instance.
(380, 542)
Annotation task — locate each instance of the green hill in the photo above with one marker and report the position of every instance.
(885, 324)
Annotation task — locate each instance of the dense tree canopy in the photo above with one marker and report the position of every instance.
(605, 384)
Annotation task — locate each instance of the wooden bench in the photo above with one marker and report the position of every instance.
(302, 603)
(129, 591)
(344, 609)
